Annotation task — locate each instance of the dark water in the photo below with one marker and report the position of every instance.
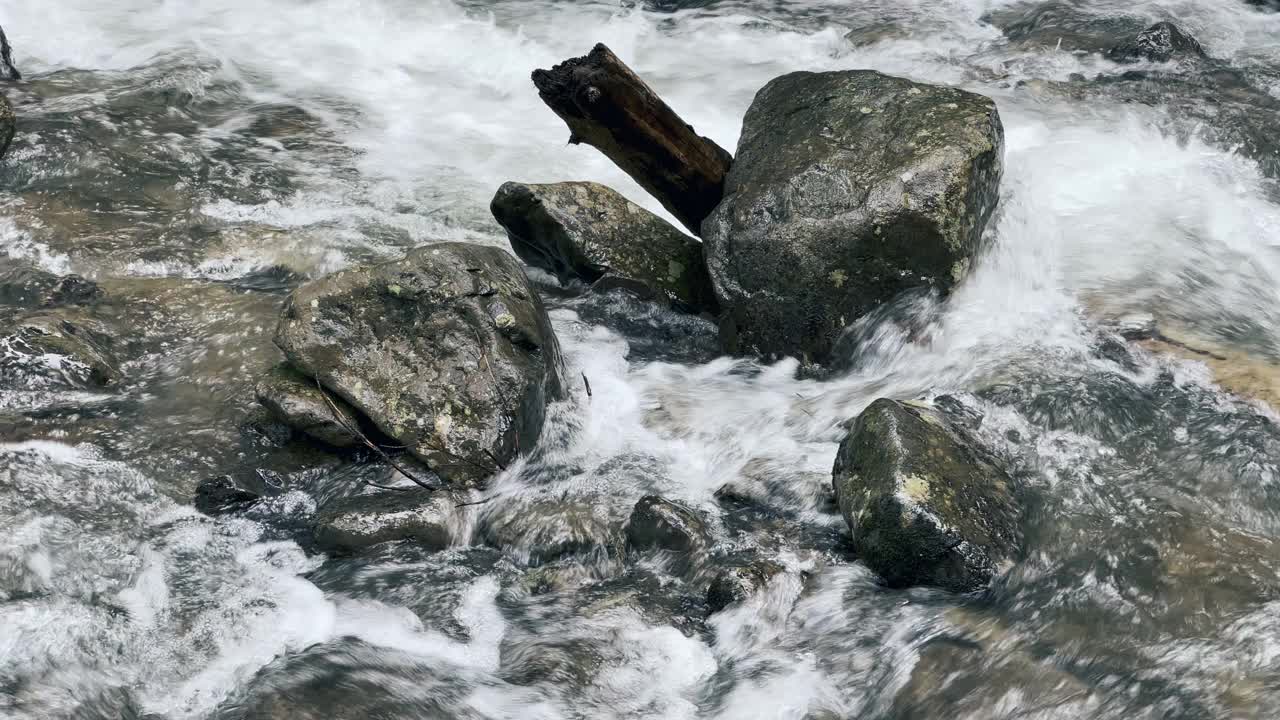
(199, 160)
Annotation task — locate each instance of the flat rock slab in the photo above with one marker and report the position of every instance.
(925, 504)
(848, 188)
(586, 231)
(448, 351)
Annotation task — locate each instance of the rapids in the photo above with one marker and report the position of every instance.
(200, 159)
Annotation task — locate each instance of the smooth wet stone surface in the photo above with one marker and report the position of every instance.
(351, 524)
(447, 351)
(925, 504)
(588, 232)
(848, 188)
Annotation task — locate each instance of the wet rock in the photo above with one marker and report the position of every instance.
(26, 287)
(297, 401)
(58, 348)
(357, 522)
(1061, 25)
(738, 583)
(847, 189)
(448, 351)
(8, 125)
(658, 523)
(926, 505)
(6, 59)
(588, 232)
(544, 530)
(1161, 42)
(1135, 326)
(228, 493)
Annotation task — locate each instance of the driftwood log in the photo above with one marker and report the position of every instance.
(609, 107)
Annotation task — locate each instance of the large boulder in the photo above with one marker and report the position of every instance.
(848, 188)
(926, 505)
(588, 232)
(448, 351)
(297, 401)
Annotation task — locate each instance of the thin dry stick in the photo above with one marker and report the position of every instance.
(477, 502)
(371, 445)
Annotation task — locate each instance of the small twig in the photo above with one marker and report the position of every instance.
(495, 459)
(369, 443)
(586, 383)
(476, 502)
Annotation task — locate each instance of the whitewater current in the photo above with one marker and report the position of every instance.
(198, 160)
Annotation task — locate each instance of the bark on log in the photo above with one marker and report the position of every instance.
(609, 107)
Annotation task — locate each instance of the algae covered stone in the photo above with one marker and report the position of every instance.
(588, 232)
(926, 504)
(848, 188)
(447, 351)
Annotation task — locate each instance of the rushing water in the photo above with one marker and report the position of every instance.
(199, 159)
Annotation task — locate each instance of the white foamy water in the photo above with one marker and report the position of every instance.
(1152, 576)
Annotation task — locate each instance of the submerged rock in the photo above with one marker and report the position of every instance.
(848, 188)
(299, 403)
(926, 505)
(448, 351)
(357, 522)
(1061, 25)
(26, 287)
(588, 232)
(544, 530)
(1161, 42)
(58, 348)
(658, 523)
(227, 493)
(740, 582)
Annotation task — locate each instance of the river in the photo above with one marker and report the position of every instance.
(199, 159)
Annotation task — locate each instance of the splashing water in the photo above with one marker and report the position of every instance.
(199, 159)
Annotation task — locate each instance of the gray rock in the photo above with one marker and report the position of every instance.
(8, 125)
(848, 188)
(227, 493)
(544, 530)
(6, 58)
(738, 583)
(926, 505)
(298, 402)
(61, 347)
(27, 287)
(1061, 26)
(658, 523)
(357, 522)
(1161, 42)
(588, 232)
(448, 351)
